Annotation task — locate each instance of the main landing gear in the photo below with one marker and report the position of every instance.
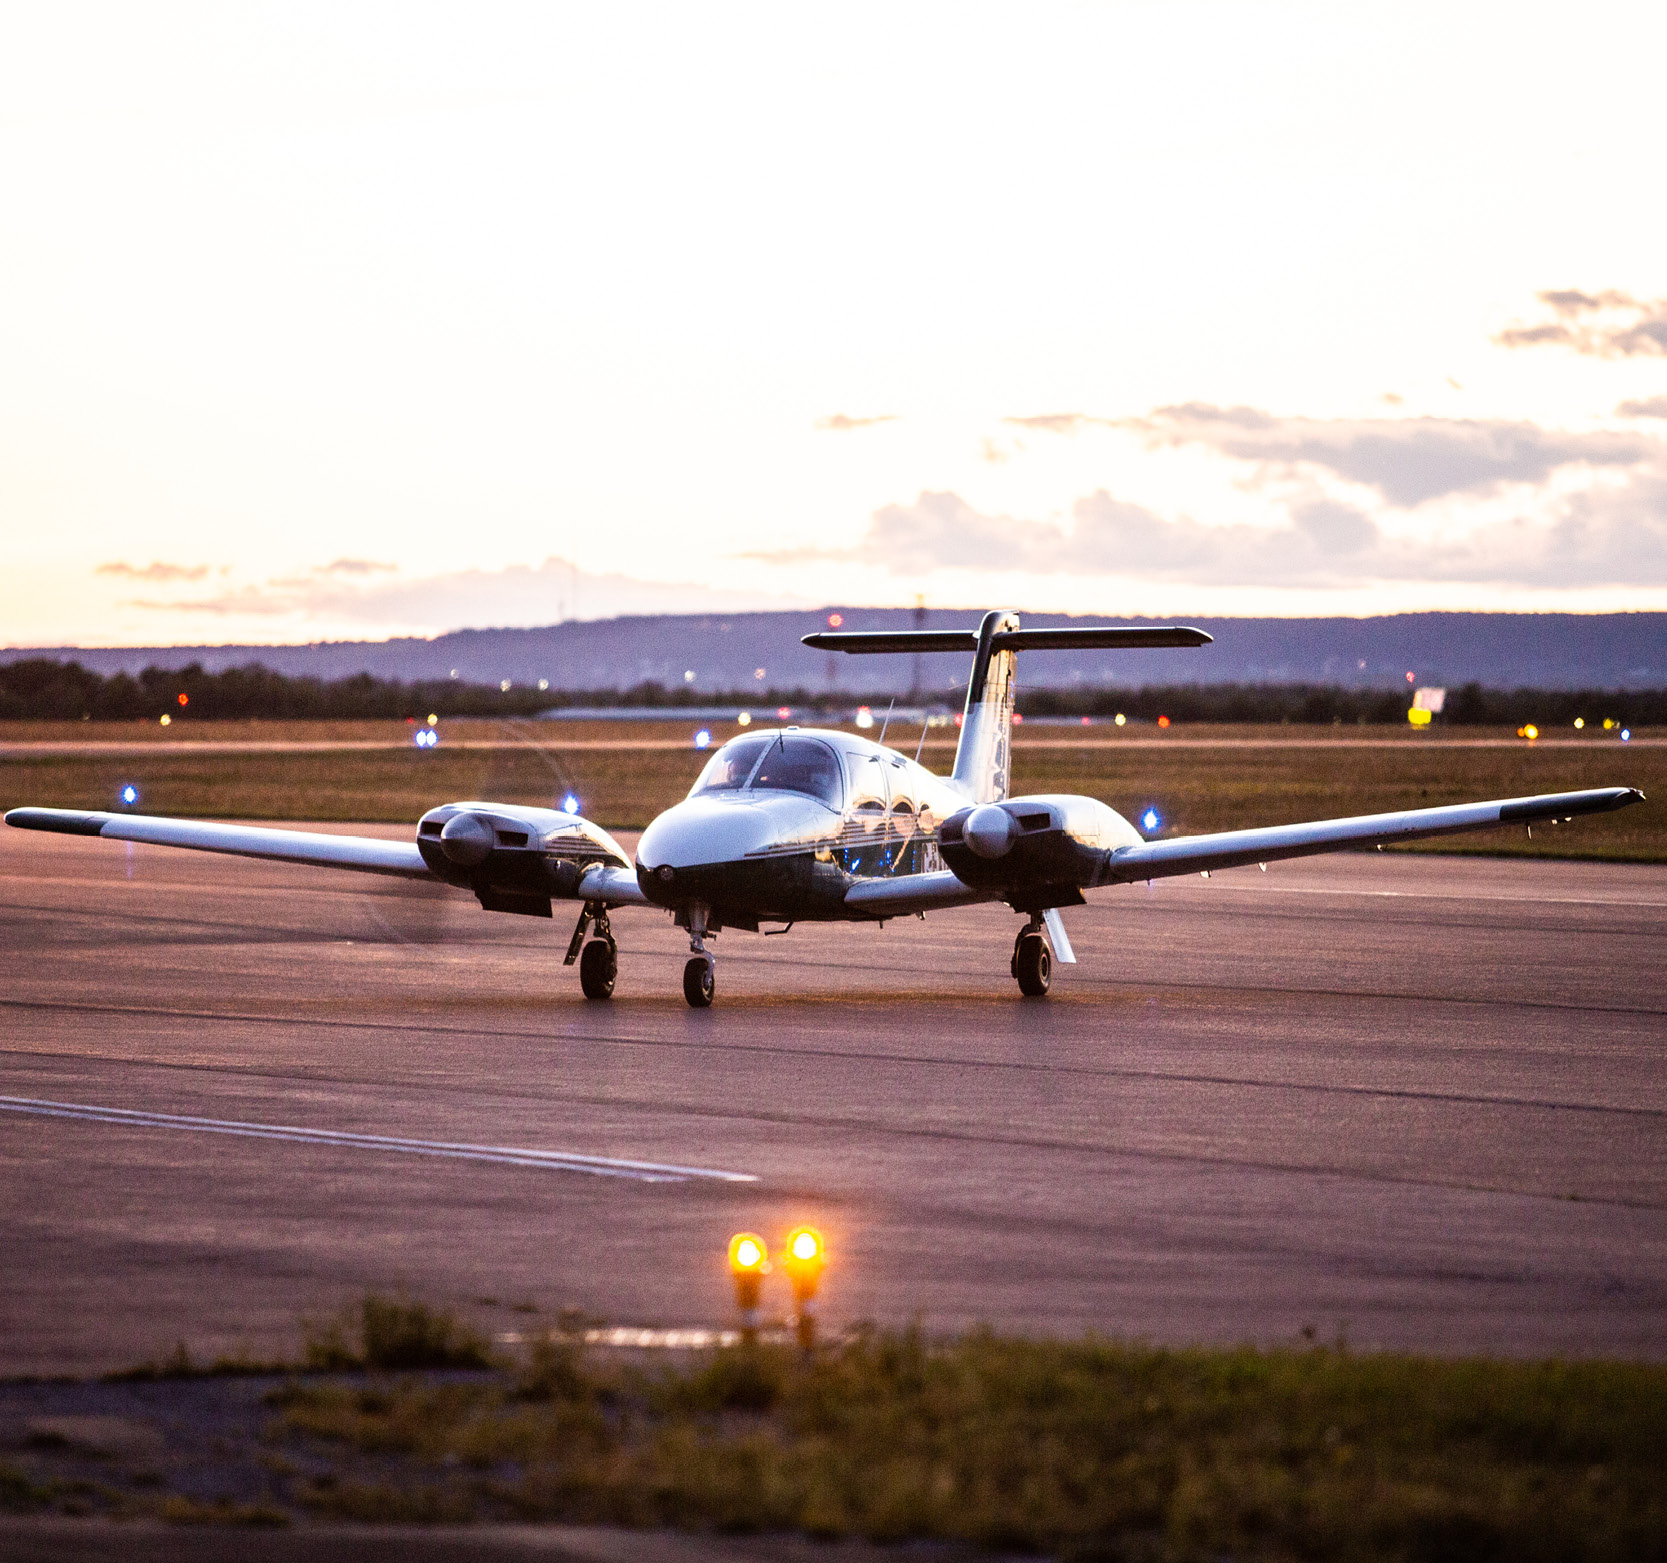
(599, 965)
(1032, 961)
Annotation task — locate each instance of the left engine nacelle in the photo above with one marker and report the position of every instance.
(514, 858)
(1038, 851)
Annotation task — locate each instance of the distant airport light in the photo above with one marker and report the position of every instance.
(184, 699)
(544, 683)
(1411, 679)
(1018, 717)
(1608, 722)
(570, 804)
(1120, 719)
(688, 675)
(783, 712)
(1530, 732)
(758, 672)
(1163, 721)
(835, 620)
(166, 719)
(865, 717)
(433, 719)
(503, 684)
(1579, 722)
(425, 738)
(1418, 718)
(1088, 721)
(1626, 735)
(744, 719)
(130, 795)
(702, 739)
(1151, 819)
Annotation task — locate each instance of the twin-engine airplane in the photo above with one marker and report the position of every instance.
(810, 825)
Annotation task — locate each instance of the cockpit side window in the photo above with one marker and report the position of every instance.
(868, 784)
(801, 765)
(729, 768)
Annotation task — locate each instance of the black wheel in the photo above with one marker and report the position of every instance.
(598, 966)
(1033, 966)
(697, 982)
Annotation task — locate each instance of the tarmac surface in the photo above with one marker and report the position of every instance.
(1417, 1102)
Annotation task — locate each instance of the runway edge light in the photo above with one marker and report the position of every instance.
(749, 1263)
(804, 1258)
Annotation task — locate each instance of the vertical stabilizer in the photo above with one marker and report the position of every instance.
(983, 757)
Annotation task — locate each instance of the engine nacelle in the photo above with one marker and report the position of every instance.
(514, 858)
(1038, 851)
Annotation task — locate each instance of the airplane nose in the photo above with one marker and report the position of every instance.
(467, 840)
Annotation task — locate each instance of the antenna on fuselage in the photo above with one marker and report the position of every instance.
(925, 722)
(887, 723)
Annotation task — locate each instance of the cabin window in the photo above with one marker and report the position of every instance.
(801, 765)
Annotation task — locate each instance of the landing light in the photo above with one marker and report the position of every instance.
(703, 739)
(1150, 820)
(570, 804)
(130, 795)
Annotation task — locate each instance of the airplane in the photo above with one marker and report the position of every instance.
(815, 825)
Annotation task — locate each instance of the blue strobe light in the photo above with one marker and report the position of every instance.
(130, 795)
(570, 804)
(1150, 820)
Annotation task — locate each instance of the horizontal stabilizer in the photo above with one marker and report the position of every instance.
(1110, 638)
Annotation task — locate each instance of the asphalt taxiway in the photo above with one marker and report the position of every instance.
(1417, 1102)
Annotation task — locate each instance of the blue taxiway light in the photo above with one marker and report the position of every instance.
(570, 804)
(1150, 820)
(130, 795)
(702, 739)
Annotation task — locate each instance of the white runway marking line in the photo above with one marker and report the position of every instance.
(296, 1134)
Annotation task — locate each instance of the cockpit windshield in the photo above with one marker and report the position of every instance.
(801, 765)
(789, 764)
(729, 768)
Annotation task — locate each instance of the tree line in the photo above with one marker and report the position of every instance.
(43, 689)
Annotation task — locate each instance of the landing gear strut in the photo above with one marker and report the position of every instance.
(599, 965)
(699, 977)
(1032, 962)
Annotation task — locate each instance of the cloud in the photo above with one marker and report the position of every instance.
(519, 595)
(1059, 422)
(1650, 407)
(1609, 534)
(358, 567)
(839, 422)
(155, 571)
(1407, 460)
(1600, 325)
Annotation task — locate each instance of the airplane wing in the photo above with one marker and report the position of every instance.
(363, 853)
(1235, 848)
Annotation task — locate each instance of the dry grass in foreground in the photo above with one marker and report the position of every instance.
(1090, 1449)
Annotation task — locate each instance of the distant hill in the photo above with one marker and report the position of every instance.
(725, 651)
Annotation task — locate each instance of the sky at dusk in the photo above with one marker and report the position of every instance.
(348, 321)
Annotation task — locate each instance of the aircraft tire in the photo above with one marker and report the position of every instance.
(1033, 966)
(598, 968)
(698, 983)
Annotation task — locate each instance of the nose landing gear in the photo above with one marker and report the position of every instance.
(1032, 961)
(699, 976)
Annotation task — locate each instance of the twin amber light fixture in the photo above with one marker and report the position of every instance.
(804, 1257)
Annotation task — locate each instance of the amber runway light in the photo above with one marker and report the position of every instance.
(749, 1263)
(805, 1258)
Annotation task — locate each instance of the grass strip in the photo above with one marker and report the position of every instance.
(1084, 1450)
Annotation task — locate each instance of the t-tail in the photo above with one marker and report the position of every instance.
(983, 758)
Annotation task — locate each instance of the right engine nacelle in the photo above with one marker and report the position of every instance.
(1039, 851)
